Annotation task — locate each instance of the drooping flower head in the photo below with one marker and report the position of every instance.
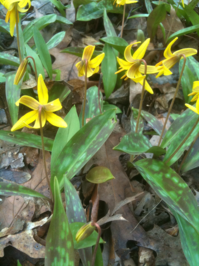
(92, 65)
(46, 111)
(172, 58)
(13, 7)
(134, 67)
(123, 2)
(195, 91)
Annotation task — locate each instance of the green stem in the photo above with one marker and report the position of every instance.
(97, 243)
(124, 11)
(187, 153)
(171, 105)
(36, 76)
(142, 97)
(17, 28)
(85, 89)
(43, 150)
(182, 142)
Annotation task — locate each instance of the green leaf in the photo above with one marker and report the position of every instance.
(63, 20)
(193, 16)
(116, 42)
(59, 240)
(2, 78)
(4, 27)
(133, 143)
(83, 145)
(59, 6)
(99, 258)
(139, 16)
(189, 239)
(193, 3)
(99, 174)
(154, 19)
(133, 121)
(184, 31)
(12, 96)
(55, 40)
(148, 6)
(11, 189)
(153, 122)
(156, 150)
(18, 263)
(171, 188)
(65, 134)
(108, 68)
(7, 59)
(78, 51)
(107, 106)
(60, 89)
(30, 52)
(25, 139)
(110, 31)
(22, 47)
(43, 52)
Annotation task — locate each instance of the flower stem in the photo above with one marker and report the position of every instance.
(187, 153)
(17, 28)
(142, 97)
(43, 150)
(182, 142)
(171, 105)
(97, 243)
(124, 11)
(85, 89)
(36, 76)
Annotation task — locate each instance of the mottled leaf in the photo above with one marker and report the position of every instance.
(55, 40)
(133, 121)
(83, 145)
(133, 143)
(59, 240)
(182, 32)
(4, 27)
(7, 59)
(171, 188)
(157, 151)
(110, 31)
(107, 106)
(117, 43)
(25, 139)
(153, 122)
(58, 4)
(99, 174)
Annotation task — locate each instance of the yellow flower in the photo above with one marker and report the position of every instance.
(46, 112)
(92, 65)
(85, 231)
(172, 58)
(183, 3)
(21, 71)
(195, 91)
(134, 67)
(123, 2)
(13, 7)
(194, 109)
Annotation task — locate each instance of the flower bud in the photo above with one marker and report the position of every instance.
(21, 71)
(85, 231)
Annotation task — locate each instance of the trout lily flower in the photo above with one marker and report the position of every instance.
(172, 58)
(195, 91)
(92, 65)
(194, 109)
(123, 2)
(13, 7)
(133, 66)
(47, 109)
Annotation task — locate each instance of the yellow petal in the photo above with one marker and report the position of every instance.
(89, 71)
(55, 120)
(85, 231)
(127, 53)
(140, 52)
(53, 106)
(170, 62)
(26, 119)
(183, 3)
(80, 68)
(133, 71)
(88, 52)
(20, 71)
(187, 52)
(192, 108)
(148, 88)
(195, 98)
(12, 21)
(196, 85)
(43, 119)
(42, 91)
(131, 1)
(124, 64)
(96, 70)
(29, 102)
(150, 69)
(140, 80)
(95, 62)
(7, 17)
(167, 51)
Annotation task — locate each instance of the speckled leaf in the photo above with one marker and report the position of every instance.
(75, 213)
(7, 59)
(110, 31)
(63, 20)
(12, 96)
(83, 145)
(60, 89)
(99, 174)
(65, 134)
(78, 51)
(179, 126)
(153, 122)
(107, 106)
(157, 151)
(189, 239)
(133, 143)
(58, 4)
(11, 189)
(25, 139)
(59, 240)
(79, 2)
(92, 104)
(133, 121)
(4, 27)
(55, 40)
(117, 43)
(171, 188)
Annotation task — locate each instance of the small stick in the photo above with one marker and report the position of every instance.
(17, 28)
(97, 243)
(124, 12)
(36, 76)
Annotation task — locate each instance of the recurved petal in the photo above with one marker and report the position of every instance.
(53, 106)
(170, 62)
(96, 61)
(88, 52)
(192, 108)
(124, 64)
(195, 98)
(25, 120)
(140, 52)
(147, 87)
(196, 86)
(133, 71)
(80, 68)
(167, 51)
(12, 21)
(127, 53)
(29, 102)
(187, 52)
(7, 16)
(42, 91)
(150, 69)
(55, 120)
(43, 119)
